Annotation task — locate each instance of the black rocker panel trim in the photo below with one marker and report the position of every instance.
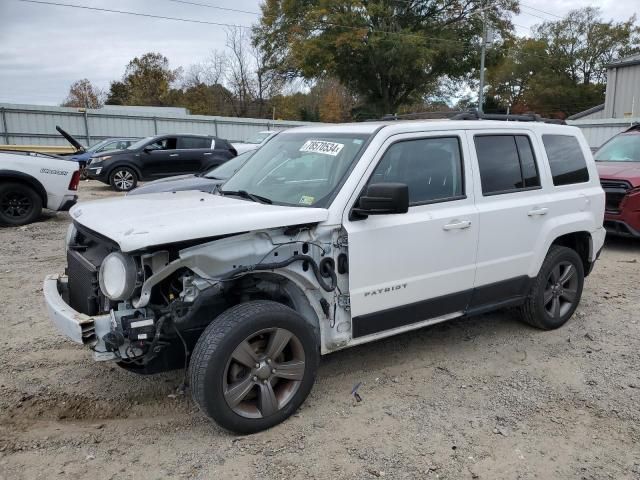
(408, 314)
(506, 293)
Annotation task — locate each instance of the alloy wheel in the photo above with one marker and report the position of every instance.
(561, 290)
(263, 373)
(123, 179)
(16, 204)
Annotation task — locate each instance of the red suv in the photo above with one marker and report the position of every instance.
(618, 163)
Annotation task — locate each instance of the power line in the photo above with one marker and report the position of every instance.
(541, 11)
(207, 5)
(137, 14)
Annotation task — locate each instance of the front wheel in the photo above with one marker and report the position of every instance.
(123, 179)
(556, 291)
(254, 365)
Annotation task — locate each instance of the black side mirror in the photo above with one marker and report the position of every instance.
(383, 199)
(148, 149)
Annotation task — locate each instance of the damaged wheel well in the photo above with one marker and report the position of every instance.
(270, 286)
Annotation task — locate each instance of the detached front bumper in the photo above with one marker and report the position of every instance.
(77, 326)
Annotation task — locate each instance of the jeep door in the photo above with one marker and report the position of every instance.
(160, 158)
(409, 268)
(512, 206)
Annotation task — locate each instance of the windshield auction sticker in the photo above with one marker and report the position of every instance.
(320, 146)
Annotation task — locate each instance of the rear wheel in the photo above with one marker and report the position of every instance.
(123, 179)
(19, 204)
(556, 291)
(254, 365)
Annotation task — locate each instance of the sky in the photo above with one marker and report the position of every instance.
(44, 48)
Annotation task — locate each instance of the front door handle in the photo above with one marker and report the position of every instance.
(457, 225)
(538, 211)
(208, 153)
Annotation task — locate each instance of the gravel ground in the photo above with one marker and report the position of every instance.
(486, 397)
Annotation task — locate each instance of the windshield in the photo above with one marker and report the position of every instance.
(259, 138)
(229, 167)
(298, 168)
(140, 143)
(623, 148)
(97, 146)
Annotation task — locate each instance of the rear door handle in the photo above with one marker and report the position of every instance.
(538, 211)
(173, 155)
(457, 225)
(208, 153)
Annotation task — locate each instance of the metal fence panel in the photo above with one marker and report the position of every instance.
(35, 125)
(599, 131)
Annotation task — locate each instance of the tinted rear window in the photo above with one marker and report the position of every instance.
(506, 162)
(194, 142)
(566, 160)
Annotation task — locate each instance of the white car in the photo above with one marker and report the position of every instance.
(331, 237)
(32, 181)
(254, 142)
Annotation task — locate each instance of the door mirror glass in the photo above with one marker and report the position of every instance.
(383, 199)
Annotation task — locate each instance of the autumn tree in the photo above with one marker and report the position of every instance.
(83, 94)
(388, 52)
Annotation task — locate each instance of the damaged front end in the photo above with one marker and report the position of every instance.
(146, 309)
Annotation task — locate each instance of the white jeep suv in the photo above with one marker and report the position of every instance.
(330, 237)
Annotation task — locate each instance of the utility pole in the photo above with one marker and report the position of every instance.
(483, 51)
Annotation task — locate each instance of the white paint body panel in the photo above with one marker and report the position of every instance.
(53, 174)
(140, 221)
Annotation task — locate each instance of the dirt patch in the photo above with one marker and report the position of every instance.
(486, 397)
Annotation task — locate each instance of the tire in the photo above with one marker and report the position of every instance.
(256, 398)
(19, 204)
(84, 174)
(123, 179)
(556, 291)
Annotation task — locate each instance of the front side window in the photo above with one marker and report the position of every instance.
(430, 167)
(566, 160)
(507, 163)
(299, 168)
(623, 148)
(168, 143)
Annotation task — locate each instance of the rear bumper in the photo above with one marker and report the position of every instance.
(68, 203)
(79, 327)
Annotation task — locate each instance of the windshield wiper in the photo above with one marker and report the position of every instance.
(245, 194)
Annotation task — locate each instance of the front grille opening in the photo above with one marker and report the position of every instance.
(615, 191)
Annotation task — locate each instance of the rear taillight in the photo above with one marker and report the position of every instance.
(75, 180)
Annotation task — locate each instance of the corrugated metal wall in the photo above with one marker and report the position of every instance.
(36, 125)
(598, 131)
(623, 92)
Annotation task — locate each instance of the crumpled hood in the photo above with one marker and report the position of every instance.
(178, 183)
(629, 171)
(140, 221)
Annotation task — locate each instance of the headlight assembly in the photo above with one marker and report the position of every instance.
(117, 276)
(70, 237)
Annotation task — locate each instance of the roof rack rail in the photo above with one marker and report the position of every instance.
(525, 117)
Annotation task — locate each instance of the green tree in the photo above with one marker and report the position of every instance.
(562, 69)
(146, 81)
(388, 52)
